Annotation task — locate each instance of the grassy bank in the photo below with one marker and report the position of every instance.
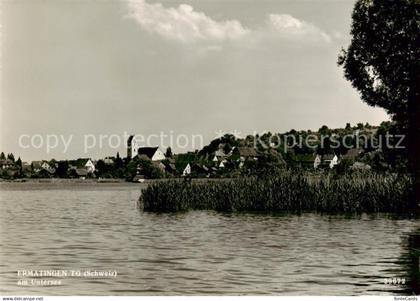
(287, 192)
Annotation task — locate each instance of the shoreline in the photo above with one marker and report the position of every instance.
(64, 181)
(101, 181)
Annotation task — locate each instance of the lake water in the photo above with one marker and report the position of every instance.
(90, 227)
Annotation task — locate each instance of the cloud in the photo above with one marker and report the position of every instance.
(185, 24)
(290, 27)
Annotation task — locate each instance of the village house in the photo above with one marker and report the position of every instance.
(26, 167)
(45, 165)
(6, 163)
(330, 160)
(89, 165)
(360, 166)
(187, 170)
(36, 166)
(317, 161)
(153, 153)
(109, 160)
(325, 161)
(39, 166)
(184, 162)
(220, 154)
(81, 172)
(134, 149)
(352, 154)
(8, 168)
(223, 163)
(82, 167)
(244, 153)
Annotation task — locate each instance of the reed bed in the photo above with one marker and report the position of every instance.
(286, 192)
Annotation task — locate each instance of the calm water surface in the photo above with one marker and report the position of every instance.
(98, 226)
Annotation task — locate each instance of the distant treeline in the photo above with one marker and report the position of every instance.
(231, 157)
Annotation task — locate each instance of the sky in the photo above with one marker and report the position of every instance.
(77, 72)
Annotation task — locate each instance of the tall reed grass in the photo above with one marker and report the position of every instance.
(287, 192)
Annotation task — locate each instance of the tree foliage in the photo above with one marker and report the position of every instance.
(168, 153)
(11, 157)
(382, 59)
(382, 63)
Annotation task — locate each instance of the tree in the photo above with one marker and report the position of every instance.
(168, 153)
(227, 148)
(62, 169)
(131, 169)
(18, 164)
(2, 156)
(119, 163)
(396, 158)
(149, 169)
(101, 168)
(382, 63)
(53, 162)
(11, 157)
(324, 130)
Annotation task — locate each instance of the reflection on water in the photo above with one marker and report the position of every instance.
(410, 259)
(87, 227)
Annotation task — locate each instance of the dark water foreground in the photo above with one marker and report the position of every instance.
(99, 227)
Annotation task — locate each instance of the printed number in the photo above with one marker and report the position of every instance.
(394, 281)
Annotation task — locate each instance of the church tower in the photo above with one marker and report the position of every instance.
(130, 146)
